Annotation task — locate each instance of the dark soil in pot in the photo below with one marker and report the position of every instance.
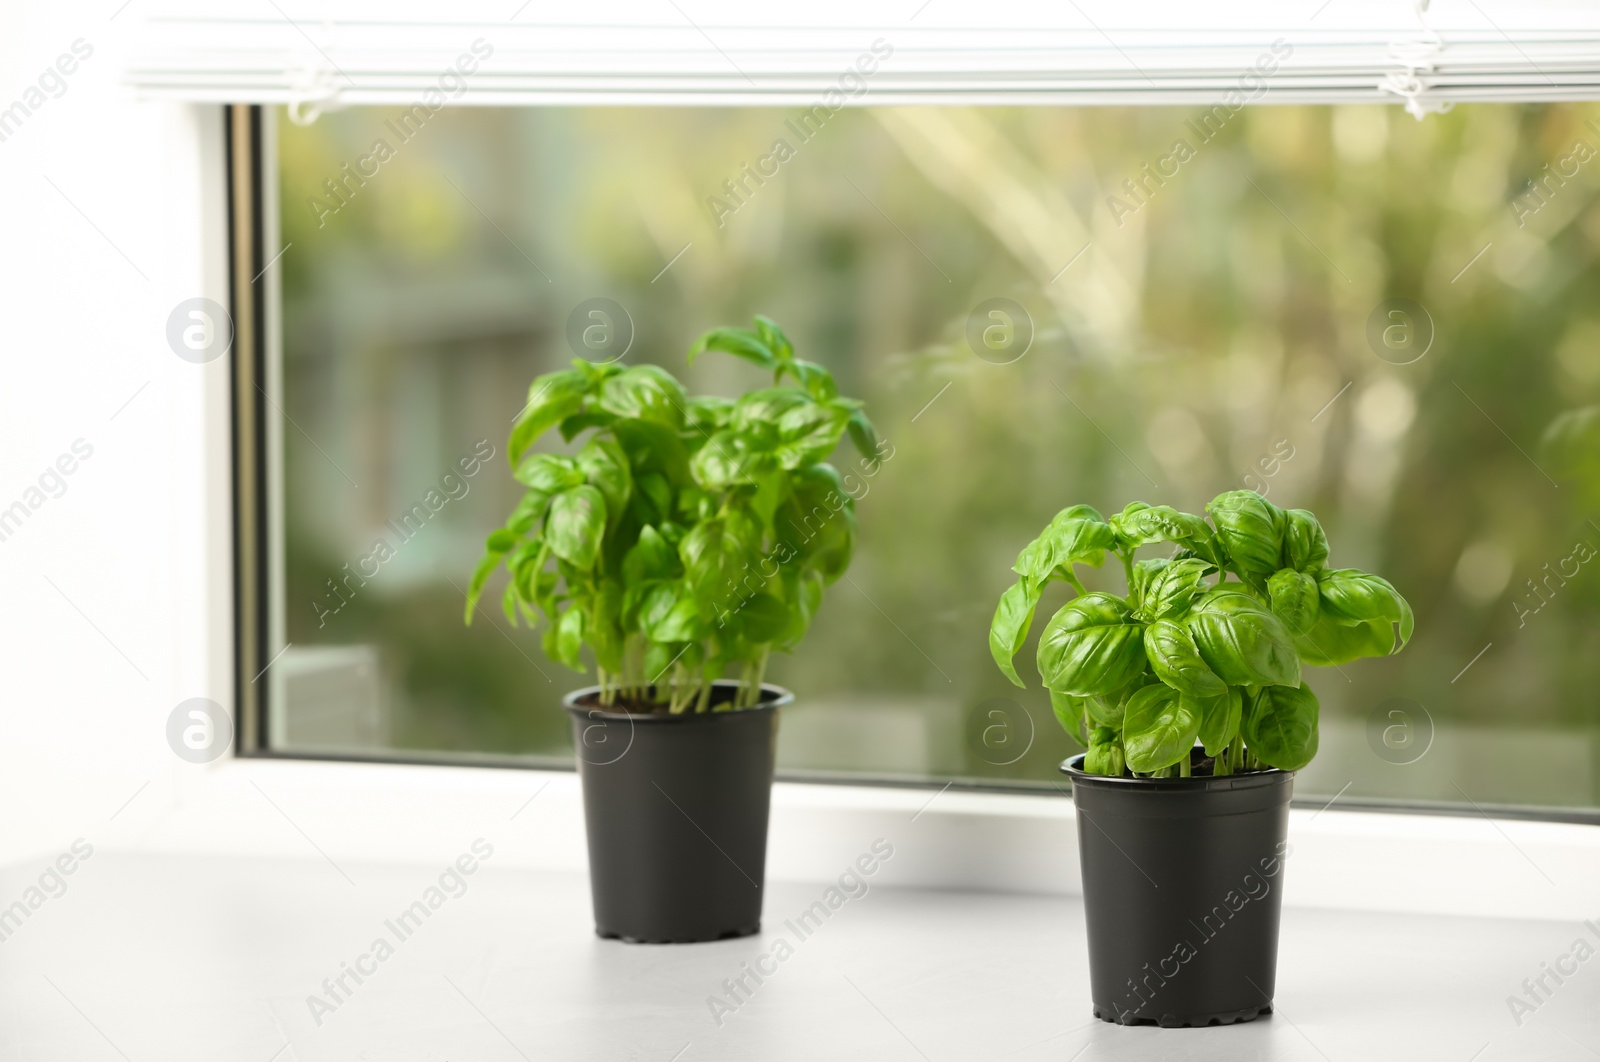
(1182, 889)
(675, 807)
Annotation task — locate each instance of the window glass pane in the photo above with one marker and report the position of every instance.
(1349, 310)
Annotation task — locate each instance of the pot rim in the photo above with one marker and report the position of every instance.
(1072, 767)
(772, 698)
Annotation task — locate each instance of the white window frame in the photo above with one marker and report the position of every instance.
(1470, 865)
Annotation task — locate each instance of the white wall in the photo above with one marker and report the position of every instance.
(105, 198)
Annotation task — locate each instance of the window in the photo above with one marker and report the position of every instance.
(1340, 306)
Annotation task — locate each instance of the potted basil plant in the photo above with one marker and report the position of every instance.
(1187, 690)
(685, 539)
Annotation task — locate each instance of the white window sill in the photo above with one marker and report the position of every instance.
(183, 957)
(1350, 860)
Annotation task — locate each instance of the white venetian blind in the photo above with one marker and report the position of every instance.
(687, 52)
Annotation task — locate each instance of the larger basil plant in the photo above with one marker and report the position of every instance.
(1207, 644)
(688, 535)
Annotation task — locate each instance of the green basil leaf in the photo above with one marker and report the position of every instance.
(651, 498)
(808, 434)
(1305, 544)
(728, 459)
(1143, 572)
(743, 525)
(651, 557)
(1069, 712)
(669, 613)
(1331, 641)
(1159, 728)
(708, 414)
(579, 423)
(1280, 726)
(1091, 646)
(634, 596)
(528, 513)
(759, 619)
(739, 342)
(658, 658)
(1128, 536)
(1250, 530)
(1171, 587)
(1009, 628)
(771, 489)
(1243, 643)
(653, 447)
(495, 547)
(818, 521)
(604, 466)
(647, 393)
(672, 532)
(576, 526)
(713, 555)
(1077, 512)
(501, 541)
(529, 575)
(1082, 541)
(774, 339)
(1139, 525)
(803, 591)
(1176, 661)
(1355, 596)
(758, 410)
(864, 436)
(1206, 546)
(1295, 599)
(817, 381)
(654, 486)
(1219, 719)
(552, 398)
(550, 473)
(569, 637)
(693, 505)
(527, 551)
(597, 371)
(1038, 558)
(1073, 537)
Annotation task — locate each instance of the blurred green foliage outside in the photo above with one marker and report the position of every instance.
(1185, 329)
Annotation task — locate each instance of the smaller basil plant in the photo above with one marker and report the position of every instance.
(689, 535)
(1189, 654)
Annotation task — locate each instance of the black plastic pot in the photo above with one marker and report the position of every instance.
(1182, 889)
(676, 812)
